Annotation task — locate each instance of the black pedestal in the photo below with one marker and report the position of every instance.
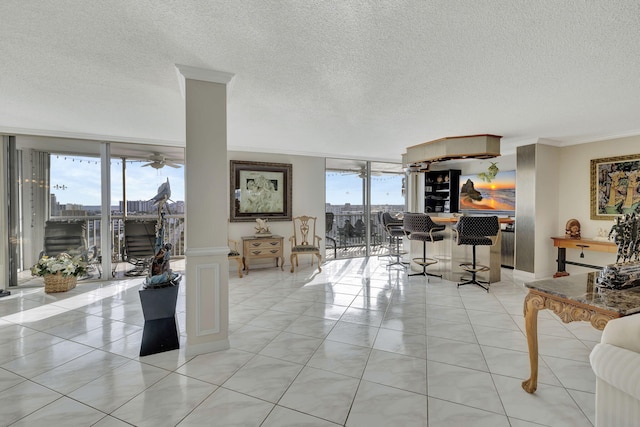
(160, 328)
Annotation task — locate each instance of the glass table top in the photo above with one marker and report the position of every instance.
(582, 288)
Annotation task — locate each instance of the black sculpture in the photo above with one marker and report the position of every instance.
(159, 292)
(623, 274)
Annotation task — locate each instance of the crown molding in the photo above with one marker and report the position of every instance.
(87, 136)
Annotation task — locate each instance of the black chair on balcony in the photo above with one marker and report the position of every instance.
(139, 245)
(329, 217)
(420, 227)
(394, 228)
(477, 231)
(69, 237)
(346, 234)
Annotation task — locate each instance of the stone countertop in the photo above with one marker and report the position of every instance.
(582, 288)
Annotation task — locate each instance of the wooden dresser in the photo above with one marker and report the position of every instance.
(262, 247)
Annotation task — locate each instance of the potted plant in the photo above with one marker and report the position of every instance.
(60, 272)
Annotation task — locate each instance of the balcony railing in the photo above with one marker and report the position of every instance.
(348, 230)
(174, 231)
(349, 233)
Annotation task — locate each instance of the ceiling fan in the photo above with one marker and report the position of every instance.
(158, 161)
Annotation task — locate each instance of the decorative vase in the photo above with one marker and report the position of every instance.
(59, 283)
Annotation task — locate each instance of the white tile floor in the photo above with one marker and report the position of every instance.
(357, 345)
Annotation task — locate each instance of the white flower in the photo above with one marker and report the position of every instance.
(62, 263)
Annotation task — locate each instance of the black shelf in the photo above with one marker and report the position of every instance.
(441, 191)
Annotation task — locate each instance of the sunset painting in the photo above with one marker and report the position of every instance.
(497, 195)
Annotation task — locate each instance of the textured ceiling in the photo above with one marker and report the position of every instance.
(342, 78)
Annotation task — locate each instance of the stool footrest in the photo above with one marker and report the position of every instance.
(477, 269)
(425, 261)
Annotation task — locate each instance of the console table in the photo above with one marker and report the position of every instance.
(564, 243)
(262, 247)
(572, 298)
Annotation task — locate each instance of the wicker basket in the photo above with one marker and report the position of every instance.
(59, 283)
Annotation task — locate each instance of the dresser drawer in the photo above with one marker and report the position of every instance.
(266, 244)
(264, 252)
(262, 247)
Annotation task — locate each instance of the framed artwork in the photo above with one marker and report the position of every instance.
(260, 190)
(615, 186)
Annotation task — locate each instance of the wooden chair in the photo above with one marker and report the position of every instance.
(304, 228)
(234, 254)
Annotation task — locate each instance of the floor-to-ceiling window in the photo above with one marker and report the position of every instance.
(60, 183)
(356, 191)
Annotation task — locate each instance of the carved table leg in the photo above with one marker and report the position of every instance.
(532, 304)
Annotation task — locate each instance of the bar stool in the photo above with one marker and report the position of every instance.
(477, 231)
(420, 227)
(395, 230)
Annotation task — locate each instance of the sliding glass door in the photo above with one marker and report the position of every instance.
(356, 191)
(59, 189)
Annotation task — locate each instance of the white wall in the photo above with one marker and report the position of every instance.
(547, 195)
(574, 189)
(308, 194)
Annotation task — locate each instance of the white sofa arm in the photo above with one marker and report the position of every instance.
(623, 332)
(618, 367)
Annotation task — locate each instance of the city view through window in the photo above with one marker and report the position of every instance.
(75, 195)
(346, 209)
(76, 189)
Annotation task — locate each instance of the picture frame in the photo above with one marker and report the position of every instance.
(615, 186)
(260, 190)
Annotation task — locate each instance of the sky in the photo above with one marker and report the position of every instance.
(503, 180)
(347, 188)
(76, 179)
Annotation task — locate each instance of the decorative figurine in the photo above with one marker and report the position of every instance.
(262, 230)
(572, 229)
(627, 237)
(625, 273)
(602, 235)
(160, 273)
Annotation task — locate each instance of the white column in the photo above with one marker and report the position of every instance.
(105, 223)
(4, 218)
(206, 205)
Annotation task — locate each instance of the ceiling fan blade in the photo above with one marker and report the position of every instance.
(155, 165)
(171, 163)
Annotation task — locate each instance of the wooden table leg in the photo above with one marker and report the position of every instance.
(240, 267)
(562, 263)
(532, 304)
